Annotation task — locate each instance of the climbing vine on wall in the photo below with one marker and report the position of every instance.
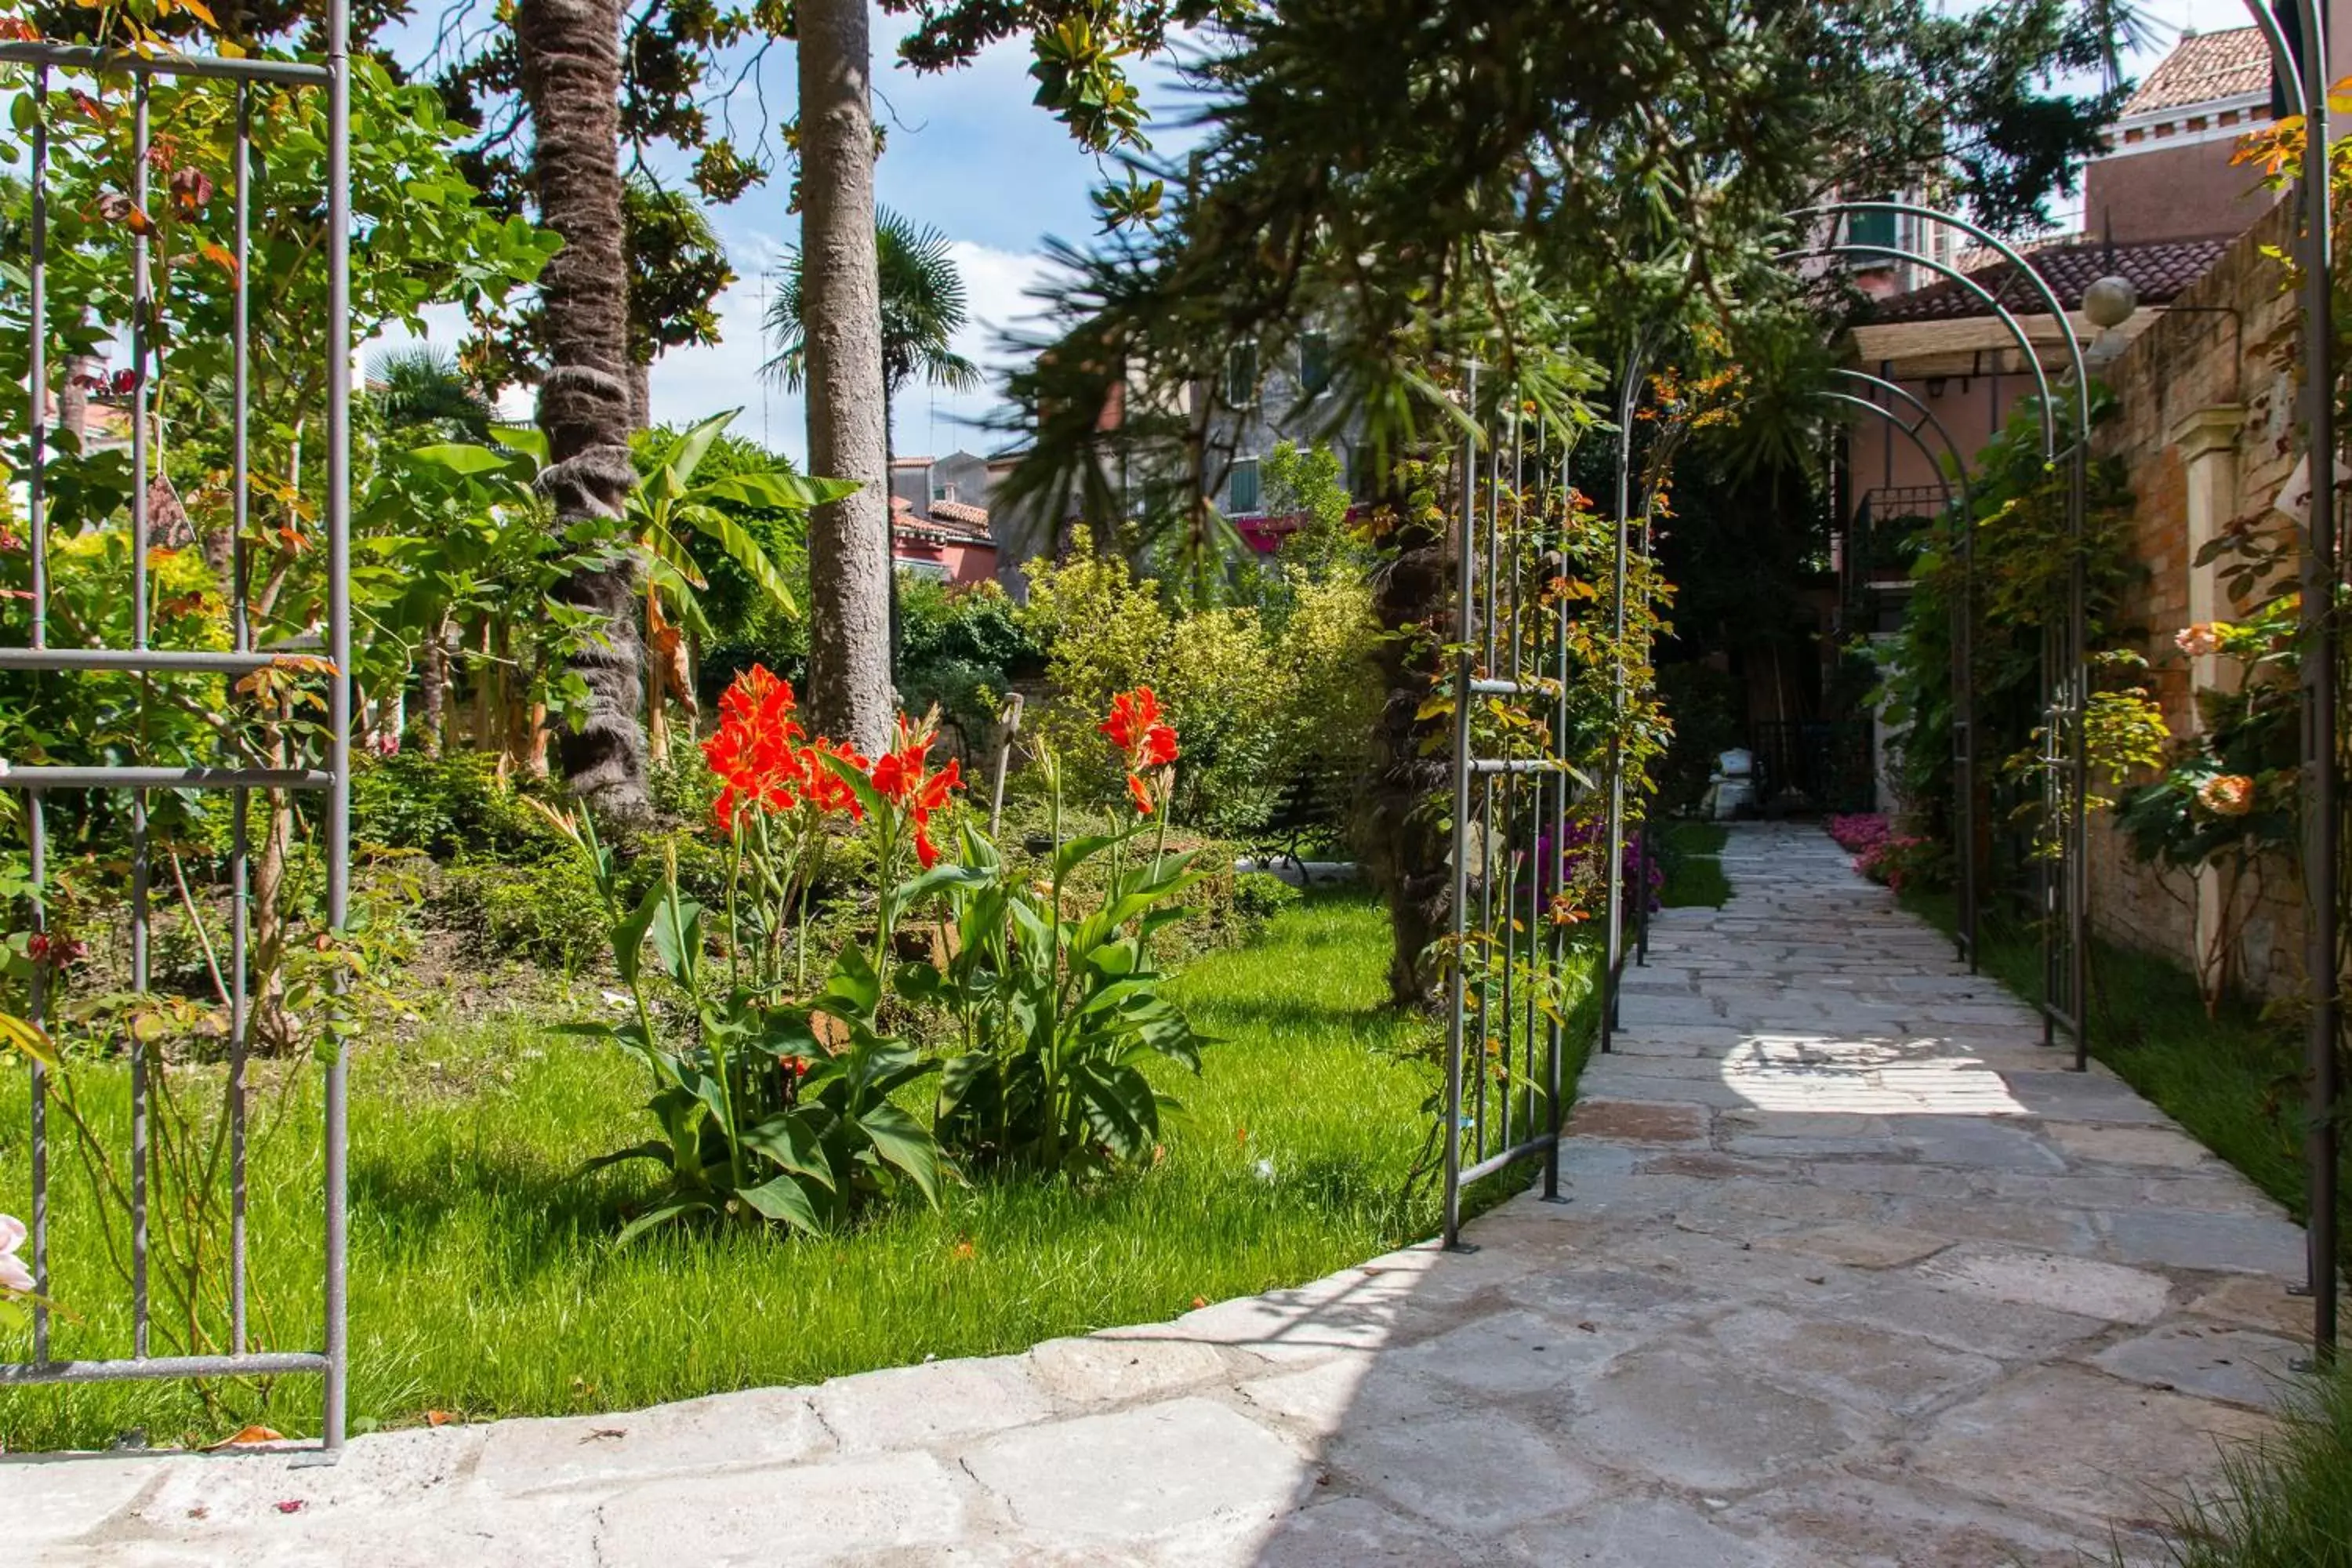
(2022, 561)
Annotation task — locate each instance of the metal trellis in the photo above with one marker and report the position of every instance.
(39, 656)
(1506, 1034)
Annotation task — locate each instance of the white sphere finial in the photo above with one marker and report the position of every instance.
(2110, 302)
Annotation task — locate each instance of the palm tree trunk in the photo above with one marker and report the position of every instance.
(432, 683)
(641, 396)
(1410, 594)
(849, 540)
(571, 67)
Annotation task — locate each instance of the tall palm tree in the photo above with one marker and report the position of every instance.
(570, 56)
(923, 308)
(421, 392)
(849, 539)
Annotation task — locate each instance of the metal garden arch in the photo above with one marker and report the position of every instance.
(2065, 886)
(244, 75)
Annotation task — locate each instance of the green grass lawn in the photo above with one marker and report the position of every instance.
(484, 1282)
(1694, 872)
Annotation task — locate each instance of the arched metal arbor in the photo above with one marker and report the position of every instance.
(2065, 863)
(246, 76)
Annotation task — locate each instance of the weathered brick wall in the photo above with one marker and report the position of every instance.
(2222, 345)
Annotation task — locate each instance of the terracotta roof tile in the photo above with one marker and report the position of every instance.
(960, 515)
(2160, 268)
(2203, 66)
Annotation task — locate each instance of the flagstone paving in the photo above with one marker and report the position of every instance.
(1852, 1272)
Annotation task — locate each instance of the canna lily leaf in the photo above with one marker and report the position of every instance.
(900, 1140)
(785, 1199)
(660, 1214)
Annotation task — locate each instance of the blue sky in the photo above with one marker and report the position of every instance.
(968, 152)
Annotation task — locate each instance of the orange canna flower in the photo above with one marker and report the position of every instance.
(1137, 729)
(1133, 714)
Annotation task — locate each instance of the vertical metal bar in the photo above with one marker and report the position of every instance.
(141, 307)
(2322, 828)
(1964, 722)
(1503, 568)
(37, 834)
(1523, 558)
(1485, 575)
(1612, 846)
(1456, 993)
(37, 353)
(240, 802)
(338, 634)
(37, 842)
(2078, 760)
(1555, 869)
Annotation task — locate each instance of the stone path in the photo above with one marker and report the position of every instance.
(1853, 1275)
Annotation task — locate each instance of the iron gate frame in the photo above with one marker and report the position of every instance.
(1963, 660)
(332, 74)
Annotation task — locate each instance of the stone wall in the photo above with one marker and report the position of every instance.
(2205, 426)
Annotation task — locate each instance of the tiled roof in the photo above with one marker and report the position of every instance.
(2159, 268)
(958, 514)
(2203, 66)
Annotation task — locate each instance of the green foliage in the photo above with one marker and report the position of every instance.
(450, 806)
(1107, 631)
(1056, 1003)
(545, 911)
(922, 310)
(1307, 482)
(959, 650)
(675, 504)
(1259, 896)
(771, 1110)
(2023, 563)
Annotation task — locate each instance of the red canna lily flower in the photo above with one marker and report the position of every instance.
(826, 790)
(1136, 727)
(754, 752)
(1132, 715)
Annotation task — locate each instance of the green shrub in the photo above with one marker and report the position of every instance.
(447, 806)
(1259, 896)
(1107, 631)
(548, 911)
(960, 649)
